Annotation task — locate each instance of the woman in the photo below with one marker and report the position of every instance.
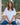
(9, 13)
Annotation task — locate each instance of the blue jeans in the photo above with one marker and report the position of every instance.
(5, 23)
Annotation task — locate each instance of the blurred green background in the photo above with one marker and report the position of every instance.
(15, 2)
(16, 5)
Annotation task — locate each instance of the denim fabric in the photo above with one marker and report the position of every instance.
(14, 23)
(5, 23)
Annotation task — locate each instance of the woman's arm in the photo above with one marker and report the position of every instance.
(13, 18)
(7, 18)
(14, 14)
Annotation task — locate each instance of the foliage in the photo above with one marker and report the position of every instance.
(16, 4)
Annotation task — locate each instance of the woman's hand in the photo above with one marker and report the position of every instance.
(10, 22)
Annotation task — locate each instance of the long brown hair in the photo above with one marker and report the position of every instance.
(11, 6)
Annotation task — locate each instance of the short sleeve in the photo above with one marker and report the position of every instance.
(14, 12)
(4, 13)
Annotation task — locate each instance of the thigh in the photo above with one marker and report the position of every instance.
(4, 23)
(14, 23)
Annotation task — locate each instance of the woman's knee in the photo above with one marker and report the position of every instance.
(14, 23)
(4, 22)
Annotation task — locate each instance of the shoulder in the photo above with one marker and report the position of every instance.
(14, 9)
(6, 8)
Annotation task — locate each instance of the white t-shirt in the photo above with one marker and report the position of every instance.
(10, 13)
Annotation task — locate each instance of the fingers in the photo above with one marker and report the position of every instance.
(9, 22)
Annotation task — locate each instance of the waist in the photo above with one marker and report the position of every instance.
(10, 19)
